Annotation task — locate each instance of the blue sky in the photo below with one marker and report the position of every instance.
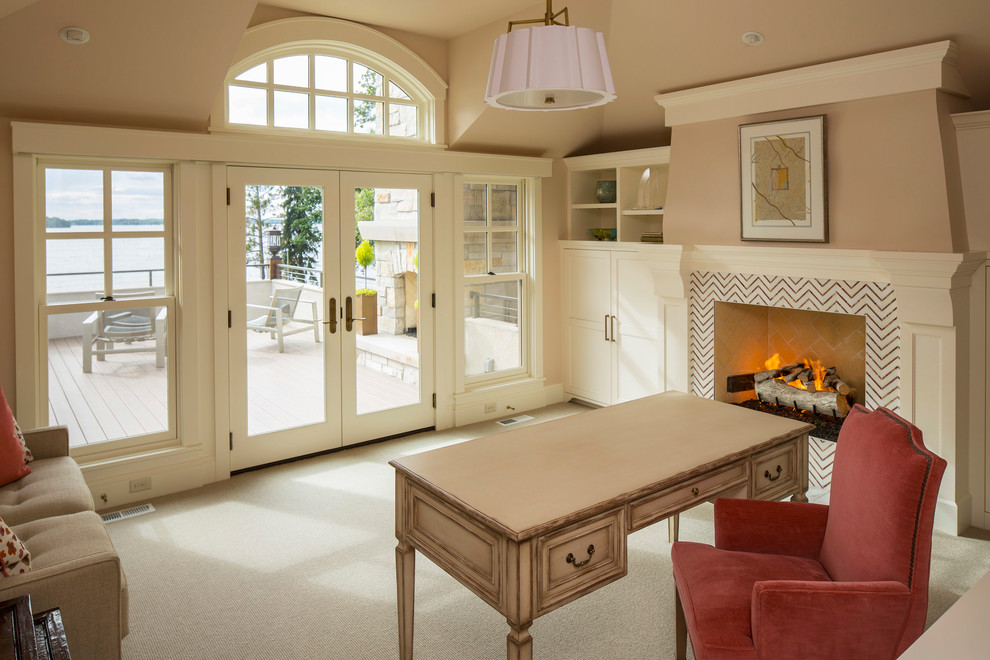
(77, 194)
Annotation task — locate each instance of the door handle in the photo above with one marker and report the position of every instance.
(613, 328)
(348, 310)
(332, 315)
(606, 328)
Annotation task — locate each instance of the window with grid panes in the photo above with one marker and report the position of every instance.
(326, 93)
(494, 279)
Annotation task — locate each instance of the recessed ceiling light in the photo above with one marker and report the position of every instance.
(752, 38)
(74, 35)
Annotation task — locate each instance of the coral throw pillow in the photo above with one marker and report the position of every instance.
(14, 555)
(12, 463)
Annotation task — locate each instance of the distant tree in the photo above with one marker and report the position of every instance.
(365, 112)
(258, 202)
(364, 210)
(302, 229)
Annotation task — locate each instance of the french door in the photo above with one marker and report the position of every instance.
(313, 364)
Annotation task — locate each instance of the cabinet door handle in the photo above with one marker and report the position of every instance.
(606, 328)
(613, 328)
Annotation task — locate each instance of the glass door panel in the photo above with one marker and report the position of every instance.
(286, 383)
(284, 355)
(387, 351)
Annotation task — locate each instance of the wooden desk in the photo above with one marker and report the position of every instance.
(534, 518)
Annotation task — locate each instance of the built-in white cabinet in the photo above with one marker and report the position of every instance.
(640, 178)
(612, 333)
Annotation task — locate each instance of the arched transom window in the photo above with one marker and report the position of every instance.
(327, 91)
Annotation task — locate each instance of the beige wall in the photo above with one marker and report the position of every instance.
(887, 187)
(974, 155)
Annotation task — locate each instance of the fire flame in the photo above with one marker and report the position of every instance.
(774, 362)
(818, 371)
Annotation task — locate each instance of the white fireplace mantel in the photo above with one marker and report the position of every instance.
(934, 308)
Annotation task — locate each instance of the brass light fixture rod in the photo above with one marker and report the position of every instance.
(549, 18)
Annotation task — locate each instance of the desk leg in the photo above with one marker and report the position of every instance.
(405, 580)
(673, 528)
(519, 642)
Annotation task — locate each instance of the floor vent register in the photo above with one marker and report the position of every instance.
(114, 516)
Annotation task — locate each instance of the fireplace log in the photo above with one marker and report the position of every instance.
(824, 403)
(760, 376)
(837, 384)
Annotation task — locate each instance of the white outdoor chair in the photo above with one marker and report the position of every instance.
(140, 330)
(280, 312)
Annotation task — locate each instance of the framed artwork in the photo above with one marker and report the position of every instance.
(783, 185)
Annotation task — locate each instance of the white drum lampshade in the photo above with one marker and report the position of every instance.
(550, 67)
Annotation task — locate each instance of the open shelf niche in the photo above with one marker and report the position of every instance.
(641, 190)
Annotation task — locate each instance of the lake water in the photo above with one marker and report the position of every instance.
(77, 265)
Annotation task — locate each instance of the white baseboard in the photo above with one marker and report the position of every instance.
(501, 401)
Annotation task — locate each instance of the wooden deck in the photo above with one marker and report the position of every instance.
(126, 395)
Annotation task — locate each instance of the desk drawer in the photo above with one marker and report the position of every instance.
(775, 470)
(647, 510)
(577, 559)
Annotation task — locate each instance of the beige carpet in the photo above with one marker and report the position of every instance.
(297, 561)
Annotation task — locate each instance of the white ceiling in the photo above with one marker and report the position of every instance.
(434, 18)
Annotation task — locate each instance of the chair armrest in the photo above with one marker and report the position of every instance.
(266, 308)
(92, 318)
(48, 442)
(779, 528)
(799, 619)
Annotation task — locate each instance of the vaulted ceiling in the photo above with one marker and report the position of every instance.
(161, 64)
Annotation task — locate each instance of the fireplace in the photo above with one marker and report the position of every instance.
(738, 320)
(767, 358)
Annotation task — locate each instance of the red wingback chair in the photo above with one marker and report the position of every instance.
(799, 580)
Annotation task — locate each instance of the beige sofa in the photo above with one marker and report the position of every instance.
(74, 566)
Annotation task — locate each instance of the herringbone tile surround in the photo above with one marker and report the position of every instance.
(873, 301)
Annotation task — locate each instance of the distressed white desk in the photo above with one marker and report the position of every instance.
(534, 518)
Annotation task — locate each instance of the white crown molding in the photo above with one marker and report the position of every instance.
(966, 121)
(926, 67)
(631, 158)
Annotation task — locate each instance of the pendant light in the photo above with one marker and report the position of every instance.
(554, 66)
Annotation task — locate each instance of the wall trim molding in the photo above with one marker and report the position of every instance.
(966, 121)
(925, 67)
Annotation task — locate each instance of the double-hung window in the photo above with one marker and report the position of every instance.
(495, 280)
(108, 308)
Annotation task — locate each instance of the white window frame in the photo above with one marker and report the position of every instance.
(145, 442)
(526, 276)
(356, 43)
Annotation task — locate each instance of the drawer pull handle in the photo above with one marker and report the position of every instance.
(694, 491)
(771, 477)
(578, 564)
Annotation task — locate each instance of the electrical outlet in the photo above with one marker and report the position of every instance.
(490, 407)
(137, 485)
